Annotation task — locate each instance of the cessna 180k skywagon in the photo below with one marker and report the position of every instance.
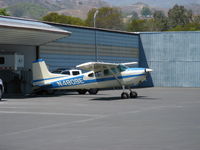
(100, 75)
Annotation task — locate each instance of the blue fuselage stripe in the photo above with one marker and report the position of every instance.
(55, 83)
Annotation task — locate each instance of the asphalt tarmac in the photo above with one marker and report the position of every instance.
(159, 119)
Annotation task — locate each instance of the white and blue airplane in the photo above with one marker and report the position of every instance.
(100, 75)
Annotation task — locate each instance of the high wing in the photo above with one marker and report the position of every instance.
(129, 63)
(96, 66)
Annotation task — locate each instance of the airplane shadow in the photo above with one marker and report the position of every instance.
(119, 98)
(18, 96)
(14, 96)
(106, 99)
(147, 98)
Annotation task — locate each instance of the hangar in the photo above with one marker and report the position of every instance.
(23, 41)
(174, 56)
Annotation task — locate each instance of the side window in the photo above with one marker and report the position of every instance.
(98, 74)
(66, 72)
(2, 60)
(91, 75)
(107, 72)
(75, 73)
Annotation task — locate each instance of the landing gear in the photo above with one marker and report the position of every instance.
(82, 92)
(90, 91)
(125, 95)
(133, 94)
(93, 91)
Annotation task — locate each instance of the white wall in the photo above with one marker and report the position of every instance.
(28, 52)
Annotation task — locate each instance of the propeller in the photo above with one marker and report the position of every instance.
(148, 70)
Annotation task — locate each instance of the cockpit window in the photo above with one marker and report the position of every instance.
(122, 68)
(114, 70)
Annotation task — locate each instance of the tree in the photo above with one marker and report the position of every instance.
(57, 18)
(160, 21)
(178, 15)
(196, 19)
(146, 12)
(136, 26)
(134, 15)
(109, 18)
(4, 12)
(187, 27)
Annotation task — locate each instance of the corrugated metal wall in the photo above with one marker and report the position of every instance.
(174, 57)
(80, 47)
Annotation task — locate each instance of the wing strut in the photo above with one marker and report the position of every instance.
(120, 83)
(124, 94)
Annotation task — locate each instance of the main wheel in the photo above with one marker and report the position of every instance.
(124, 95)
(133, 94)
(82, 92)
(93, 91)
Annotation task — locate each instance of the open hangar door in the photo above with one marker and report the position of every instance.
(20, 42)
(15, 67)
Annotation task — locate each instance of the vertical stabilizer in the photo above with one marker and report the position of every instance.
(41, 74)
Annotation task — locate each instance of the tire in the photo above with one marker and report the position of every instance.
(133, 94)
(82, 92)
(93, 91)
(124, 95)
(1, 93)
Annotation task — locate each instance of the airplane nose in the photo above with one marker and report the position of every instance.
(148, 70)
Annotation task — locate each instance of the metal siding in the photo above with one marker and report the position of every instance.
(174, 57)
(79, 47)
(55, 61)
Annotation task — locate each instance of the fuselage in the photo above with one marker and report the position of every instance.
(106, 78)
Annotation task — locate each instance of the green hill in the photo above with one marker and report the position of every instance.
(28, 10)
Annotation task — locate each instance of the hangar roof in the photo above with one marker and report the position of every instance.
(28, 32)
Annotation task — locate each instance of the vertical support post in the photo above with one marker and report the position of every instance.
(95, 36)
(95, 43)
(37, 52)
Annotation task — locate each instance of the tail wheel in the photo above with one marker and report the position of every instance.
(82, 92)
(93, 91)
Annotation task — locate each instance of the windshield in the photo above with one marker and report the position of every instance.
(122, 68)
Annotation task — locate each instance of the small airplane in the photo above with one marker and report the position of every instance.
(100, 75)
